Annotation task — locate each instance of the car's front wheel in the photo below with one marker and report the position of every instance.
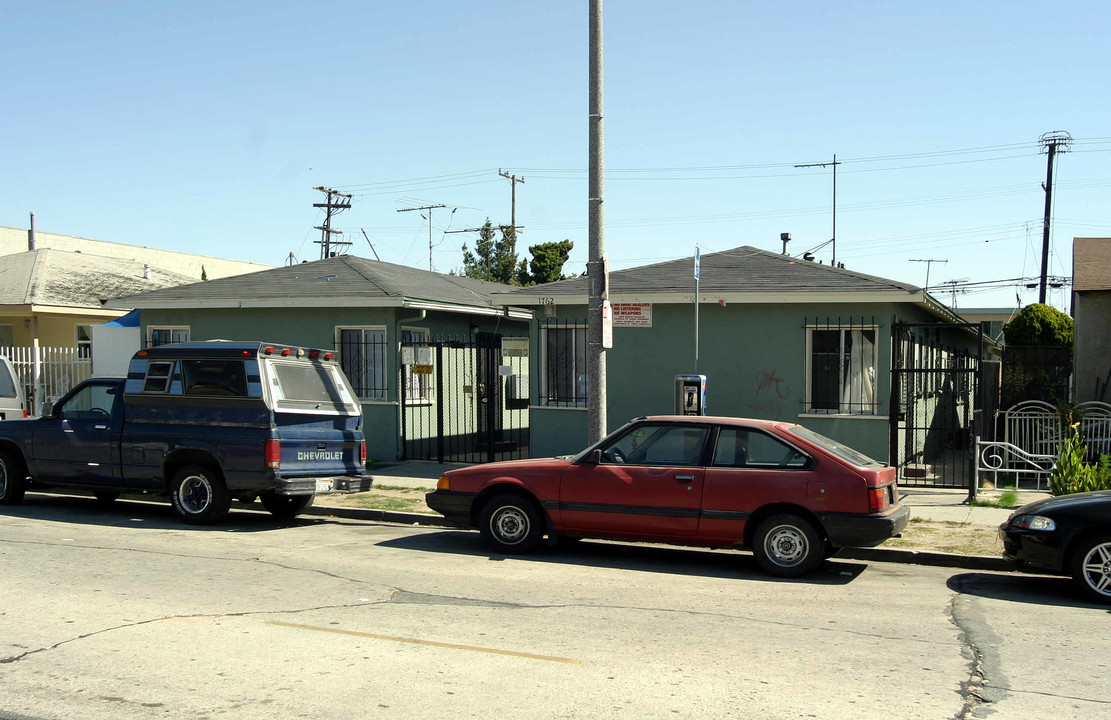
(1091, 568)
(13, 479)
(512, 524)
(286, 506)
(787, 546)
(199, 496)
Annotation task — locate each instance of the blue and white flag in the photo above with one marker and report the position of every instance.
(697, 260)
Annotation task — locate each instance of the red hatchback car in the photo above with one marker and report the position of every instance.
(792, 496)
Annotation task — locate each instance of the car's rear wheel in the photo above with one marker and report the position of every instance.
(13, 479)
(787, 546)
(1091, 568)
(286, 506)
(199, 496)
(511, 523)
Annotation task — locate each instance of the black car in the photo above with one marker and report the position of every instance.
(1066, 535)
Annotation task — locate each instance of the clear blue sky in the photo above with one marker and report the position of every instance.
(203, 127)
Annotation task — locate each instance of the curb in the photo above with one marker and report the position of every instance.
(890, 555)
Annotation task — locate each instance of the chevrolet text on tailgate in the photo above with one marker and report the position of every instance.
(792, 496)
(202, 423)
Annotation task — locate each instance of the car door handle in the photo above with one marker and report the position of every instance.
(684, 478)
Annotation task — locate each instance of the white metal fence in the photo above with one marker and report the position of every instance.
(1032, 435)
(47, 373)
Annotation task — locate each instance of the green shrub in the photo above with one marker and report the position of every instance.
(1072, 474)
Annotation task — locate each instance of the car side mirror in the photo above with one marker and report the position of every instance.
(47, 409)
(594, 457)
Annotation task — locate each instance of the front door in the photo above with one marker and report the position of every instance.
(79, 441)
(648, 480)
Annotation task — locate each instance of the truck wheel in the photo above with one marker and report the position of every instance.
(787, 546)
(512, 524)
(199, 496)
(106, 498)
(286, 506)
(13, 479)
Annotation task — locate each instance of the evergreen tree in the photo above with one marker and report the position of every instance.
(1039, 325)
(494, 259)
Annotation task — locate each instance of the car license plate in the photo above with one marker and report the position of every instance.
(324, 485)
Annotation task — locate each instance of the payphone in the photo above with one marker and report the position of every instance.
(690, 395)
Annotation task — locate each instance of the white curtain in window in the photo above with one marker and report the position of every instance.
(858, 392)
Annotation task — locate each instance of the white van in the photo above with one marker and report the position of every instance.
(12, 406)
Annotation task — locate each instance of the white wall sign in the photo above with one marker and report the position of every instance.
(632, 314)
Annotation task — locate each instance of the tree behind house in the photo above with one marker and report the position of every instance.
(494, 259)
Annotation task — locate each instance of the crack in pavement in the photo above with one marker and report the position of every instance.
(987, 682)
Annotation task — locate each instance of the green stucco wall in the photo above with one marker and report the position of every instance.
(754, 357)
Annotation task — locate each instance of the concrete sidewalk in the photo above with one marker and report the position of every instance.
(934, 504)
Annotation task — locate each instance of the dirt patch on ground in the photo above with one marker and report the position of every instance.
(948, 537)
(920, 535)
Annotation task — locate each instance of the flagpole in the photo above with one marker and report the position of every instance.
(697, 262)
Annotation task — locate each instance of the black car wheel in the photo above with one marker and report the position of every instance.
(787, 546)
(511, 524)
(13, 480)
(199, 496)
(105, 498)
(1091, 568)
(286, 506)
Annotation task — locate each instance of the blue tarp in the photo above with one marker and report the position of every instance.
(130, 320)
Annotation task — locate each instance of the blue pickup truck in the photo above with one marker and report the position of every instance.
(201, 423)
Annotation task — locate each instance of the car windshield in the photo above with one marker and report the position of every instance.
(841, 450)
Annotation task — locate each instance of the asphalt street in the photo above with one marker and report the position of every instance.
(125, 612)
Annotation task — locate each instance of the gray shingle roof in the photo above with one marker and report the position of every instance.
(340, 281)
(73, 279)
(730, 272)
(1091, 264)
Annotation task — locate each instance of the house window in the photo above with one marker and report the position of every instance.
(362, 355)
(84, 340)
(166, 335)
(7, 336)
(417, 385)
(564, 365)
(841, 370)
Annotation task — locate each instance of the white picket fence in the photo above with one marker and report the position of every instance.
(47, 373)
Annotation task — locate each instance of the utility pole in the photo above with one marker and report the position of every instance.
(834, 164)
(513, 180)
(596, 269)
(1052, 141)
(429, 208)
(928, 263)
(337, 203)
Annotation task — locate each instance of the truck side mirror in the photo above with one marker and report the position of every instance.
(47, 409)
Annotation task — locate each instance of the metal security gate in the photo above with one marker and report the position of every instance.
(935, 380)
(464, 401)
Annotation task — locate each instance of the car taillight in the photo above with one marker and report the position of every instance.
(362, 453)
(878, 498)
(273, 453)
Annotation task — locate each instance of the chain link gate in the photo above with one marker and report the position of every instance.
(463, 401)
(934, 402)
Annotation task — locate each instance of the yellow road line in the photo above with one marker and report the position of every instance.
(431, 643)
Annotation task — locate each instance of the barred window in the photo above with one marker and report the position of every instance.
(362, 355)
(841, 369)
(564, 365)
(166, 335)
